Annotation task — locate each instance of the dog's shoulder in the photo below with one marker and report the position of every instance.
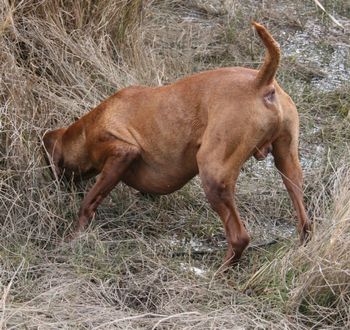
(130, 91)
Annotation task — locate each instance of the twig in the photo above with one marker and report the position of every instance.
(330, 16)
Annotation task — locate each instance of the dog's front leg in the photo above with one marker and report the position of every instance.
(118, 160)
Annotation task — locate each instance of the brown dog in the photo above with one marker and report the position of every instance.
(157, 139)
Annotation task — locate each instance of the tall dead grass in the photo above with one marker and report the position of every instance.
(151, 262)
(313, 281)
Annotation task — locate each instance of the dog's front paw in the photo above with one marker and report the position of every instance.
(78, 231)
(306, 233)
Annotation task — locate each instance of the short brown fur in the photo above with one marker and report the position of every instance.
(156, 139)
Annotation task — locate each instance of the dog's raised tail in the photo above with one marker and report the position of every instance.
(268, 70)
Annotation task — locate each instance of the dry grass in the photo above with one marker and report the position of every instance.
(151, 262)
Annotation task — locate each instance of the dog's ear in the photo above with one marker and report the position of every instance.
(53, 148)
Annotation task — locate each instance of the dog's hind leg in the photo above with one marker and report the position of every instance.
(120, 156)
(285, 152)
(218, 181)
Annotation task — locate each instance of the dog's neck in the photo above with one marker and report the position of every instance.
(74, 143)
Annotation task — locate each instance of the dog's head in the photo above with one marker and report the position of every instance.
(54, 149)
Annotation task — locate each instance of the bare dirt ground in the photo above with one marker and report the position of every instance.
(151, 262)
